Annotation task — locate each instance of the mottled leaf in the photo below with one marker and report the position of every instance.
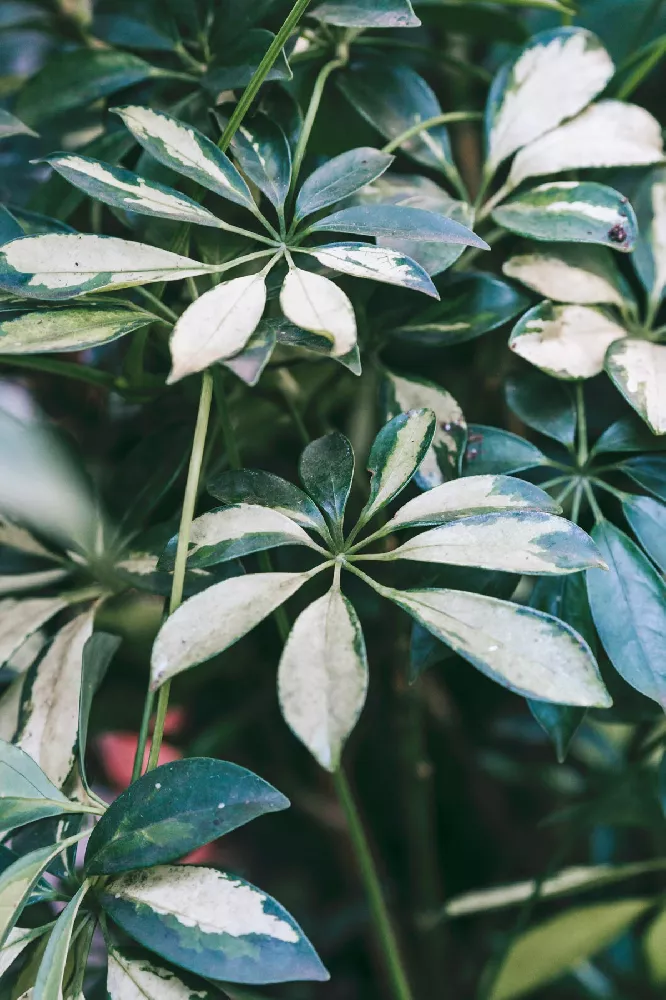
(638, 369)
(326, 468)
(19, 619)
(398, 222)
(649, 257)
(262, 152)
(68, 329)
(367, 13)
(569, 342)
(580, 275)
(340, 178)
(628, 434)
(138, 976)
(364, 260)
(396, 454)
(317, 304)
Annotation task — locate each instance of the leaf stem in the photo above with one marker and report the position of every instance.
(445, 118)
(583, 452)
(311, 114)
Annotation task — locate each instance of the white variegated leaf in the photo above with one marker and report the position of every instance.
(529, 652)
(323, 676)
(17, 941)
(50, 711)
(316, 304)
(18, 583)
(219, 616)
(554, 77)
(365, 260)
(68, 329)
(471, 495)
(580, 275)
(569, 341)
(638, 369)
(187, 151)
(18, 538)
(396, 454)
(128, 191)
(530, 542)
(217, 325)
(131, 977)
(649, 257)
(607, 134)
(19, 619)
(64, 265)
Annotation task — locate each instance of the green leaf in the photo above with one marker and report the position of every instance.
(649, 258)
(317, 304)
(580, 275)
(340, 178)
(398, 222)
(471, 305)
(396, 453)
(638, 369)
(215, 619)
(10, 126)
(364, 260)
(62, 266)
(217, 325)
(174, 809)
(26, 793)
(189, 152)
(627, 435)
(326, 468)
(98, 652)
(367, 13)
(512, 645)
(131, 974)
(543, 404)
(568, 342)
(558, 945)
(235, 65)
(654, 948)
(492, 451)
(213, 924)
(128, 191)
(647, 518)
(571, 212)
(257, 487)
(263, 154)
(293, 336)
(10, 229)
(68, 329)
(83, 76)
(526, 542)
(144, 32)
(559, 72)
(19, 619)
(323, 676)
(400, 394)
(51, 975)
(474, 495)
(233, 532)
(628, 605)
(17, 941)
(649, 471)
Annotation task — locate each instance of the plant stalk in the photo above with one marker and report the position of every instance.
(583, 446)
(445, 118)
(311, 114)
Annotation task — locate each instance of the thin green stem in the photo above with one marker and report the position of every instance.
(646, 22)
(68, 369)
(446, 118)
(618, 494)
(143, 735)
(157, 304)
(583, 452)
(311, 114)
(494, 201)
(575, 507)
(230, 442)
(381, 918)
(563, 494)
(653, 55)
(596, 509)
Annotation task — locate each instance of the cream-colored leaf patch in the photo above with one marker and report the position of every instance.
(569, 341)
(130, 978)
(575, 273)
(20, 618)
(244, 519)
(318, 305)
(638, 369)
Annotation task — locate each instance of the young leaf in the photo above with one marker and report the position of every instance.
(217, 325)
(62, 266)
(572, 212)
(398, 222)
(184, 149)
(649, 471)
(529, 542)
(317, 304)
(49, 984)
(326, 468)
(233, 532)
(647, 518)
(48, 728)
(558, 72)
(174, 809)
(580, 275)
(19, 619)
(558, 945)
(472, 496)
(638, 369)
(253, 486)
(323, 676)
(396, 454)
(649, 258)
(364, 260)
(492, 451)
(262, 151)
(607, 134)
(544, 404)
(215, 619)
(512, 645)
(138, 976)
(442, 458)
(340, 178)
(214, 924)
(128, 191)
(568, 342)
(50, 331)
(628, 605)
(367, 13)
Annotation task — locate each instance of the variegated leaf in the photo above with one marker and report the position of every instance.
(15, 537)
(50, 981)
(607, 134)
(10, 126)
(64, 265)
(367, 14)
(554, 77)
(138, 977)
(68, 329)
(10, 707)
(580, 275)
(217, 325)
(26, 794)
(253, 486)
(442, 458)
(469, 496)
(340, 178)
(20, 618)
(364, 260)
(211, 923)
(529, 652)
(232, 532)
(649, 258)
(128, 191)
(529, 542)
(568, 342)
(18, 583)
(318, 305)
(323, 676)
(49, 721)
(215, 619)
(17, 941)
(398, 222)
(187, 151)
(249, 364)
(573, 212)
(638, 369)
(396, 454)
(263, 153)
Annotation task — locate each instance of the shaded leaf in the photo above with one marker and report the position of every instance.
(326, 468)
(10, 126)
(17, 941)
(340, 178)
(262, 152)
(249, 364)
(49, 984)
(543, 404)
(398, 222)
(253, 486)
(98, 652)
(367, 13)
(647, 518)
(568, 342)
(492, 451)
(235, 65)
(396, 454)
